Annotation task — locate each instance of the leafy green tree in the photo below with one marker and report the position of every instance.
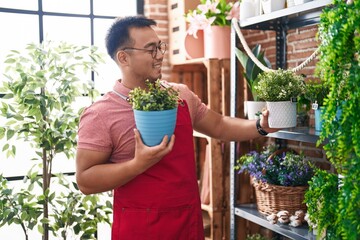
(41, 85)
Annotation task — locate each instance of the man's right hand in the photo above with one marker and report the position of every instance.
(145, 156)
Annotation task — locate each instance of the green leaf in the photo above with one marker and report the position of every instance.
(9, 134)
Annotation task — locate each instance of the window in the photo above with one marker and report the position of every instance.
(82, 22)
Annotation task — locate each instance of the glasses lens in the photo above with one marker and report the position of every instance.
(162, 47)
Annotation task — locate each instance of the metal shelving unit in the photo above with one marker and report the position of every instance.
(249, 212)
(279, 21)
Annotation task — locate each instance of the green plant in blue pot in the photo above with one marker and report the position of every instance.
(155, 110)
(316, 93)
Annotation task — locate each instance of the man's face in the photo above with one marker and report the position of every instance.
(145, 63)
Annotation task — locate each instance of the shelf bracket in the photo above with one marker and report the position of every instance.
(281, 32)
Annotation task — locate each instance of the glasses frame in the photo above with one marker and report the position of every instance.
(153, 52)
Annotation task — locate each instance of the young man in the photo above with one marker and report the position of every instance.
(156, 194)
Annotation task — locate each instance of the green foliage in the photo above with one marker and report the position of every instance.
(40, 86)
(279, 85)
(73, 211)
(316, 92)
(256, 236)
(339, 35)
(19, 207)
(251, 69)
(339, 63)
(154, 98)
(321, 201)
(277, 167)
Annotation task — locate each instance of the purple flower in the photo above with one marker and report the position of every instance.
(286, 169)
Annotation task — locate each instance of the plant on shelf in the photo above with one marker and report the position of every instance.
(40, 88)
(211, 13)
(278, 175)
(316, 93)
(279, 85)
(321, 200)
(155, 110)
(283, 168)
(339, 40)
(280, 89)
(251, 72)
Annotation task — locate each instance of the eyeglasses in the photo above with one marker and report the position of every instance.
(161, 47)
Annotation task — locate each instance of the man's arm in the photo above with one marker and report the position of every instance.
(95, 174)
(227, 128)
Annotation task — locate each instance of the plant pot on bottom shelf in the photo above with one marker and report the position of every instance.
(279, 177)
(271, 199)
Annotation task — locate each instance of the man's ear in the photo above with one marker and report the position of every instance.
(122, 57)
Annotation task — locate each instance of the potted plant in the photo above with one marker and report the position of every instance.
(339, 64)
(214, 18)
(280, 178)
(321, 200)
(280, 90)
(155, 110)
(316, 92)
(40, 87)
(251, 72)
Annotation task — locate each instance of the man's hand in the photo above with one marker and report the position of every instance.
(264, 122)
(146, 156)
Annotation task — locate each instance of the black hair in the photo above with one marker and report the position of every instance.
(118, 34)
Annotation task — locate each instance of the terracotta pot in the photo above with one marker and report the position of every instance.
(217, 42)
(194, 47)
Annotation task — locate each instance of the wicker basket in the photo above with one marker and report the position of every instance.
(274, 198)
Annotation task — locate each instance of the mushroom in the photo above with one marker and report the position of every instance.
(272, 218)
(283, 217)
(295, 221)
(301, 215)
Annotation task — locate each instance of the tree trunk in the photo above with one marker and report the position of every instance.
(45, 187)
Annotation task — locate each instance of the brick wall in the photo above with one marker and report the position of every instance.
(157, 10)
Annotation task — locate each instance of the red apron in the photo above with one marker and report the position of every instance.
(163, 203)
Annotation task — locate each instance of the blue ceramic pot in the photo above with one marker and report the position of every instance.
(154, 125)
(319, 120)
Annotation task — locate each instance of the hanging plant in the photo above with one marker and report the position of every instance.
(339, 65)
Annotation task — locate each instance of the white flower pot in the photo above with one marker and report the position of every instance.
(249, 8)
(290, 3)
(272, 5)
(253, 107)
(282, 114)
(298, 2)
